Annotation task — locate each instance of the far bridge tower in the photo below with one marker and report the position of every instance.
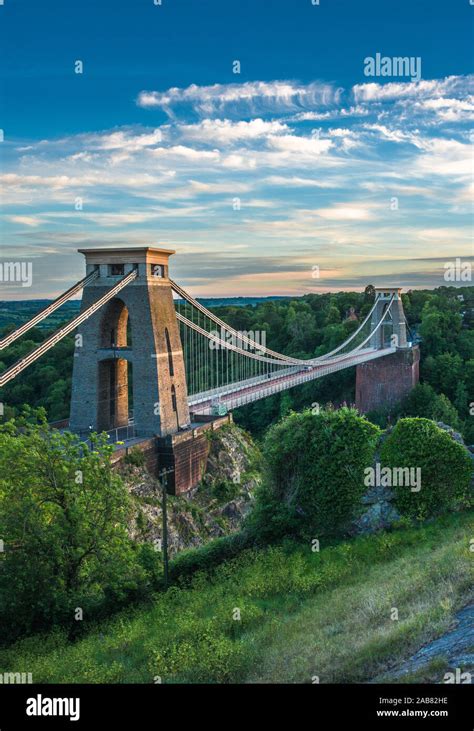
(383, 382)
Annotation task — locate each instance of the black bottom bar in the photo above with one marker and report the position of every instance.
(155, 706)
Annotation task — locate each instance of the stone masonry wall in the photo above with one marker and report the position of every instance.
(384, 382)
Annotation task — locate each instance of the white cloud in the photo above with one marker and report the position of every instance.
(251, 96)
(352, 111)
(218, 188)
(394, 135)
(224, 131)
(346, 212)
(450, 110)
(298, 143)
(180, 178)
(393, 91)
(124, 141)
(25, 220)
(445, 157)
(239, 162)
(185, 152)
(296, 182)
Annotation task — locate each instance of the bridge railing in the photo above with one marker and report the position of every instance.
(120, 434)
(212, 393)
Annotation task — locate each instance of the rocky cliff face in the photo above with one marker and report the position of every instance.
(215, 508)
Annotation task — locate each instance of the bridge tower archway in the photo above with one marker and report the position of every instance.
(113, 386)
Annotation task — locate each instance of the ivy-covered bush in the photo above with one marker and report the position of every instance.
(445, 468)
(314, 473)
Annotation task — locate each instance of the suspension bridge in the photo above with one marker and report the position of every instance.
(151, 362)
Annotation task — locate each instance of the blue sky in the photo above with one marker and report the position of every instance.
(298, 174)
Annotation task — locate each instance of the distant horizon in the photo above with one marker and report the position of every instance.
(457, 285)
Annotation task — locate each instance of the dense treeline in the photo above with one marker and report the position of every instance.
(442, 320)
(47, 383)
(305, 327)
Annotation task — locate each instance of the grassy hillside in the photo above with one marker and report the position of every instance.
(302, 614)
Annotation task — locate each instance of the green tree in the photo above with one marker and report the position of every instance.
(63, 520)
(445, 468)
(469, 378)
(443, 372)
(334, 316)
(314, 473)
(423, 401)
(461, 400)
(440, 325)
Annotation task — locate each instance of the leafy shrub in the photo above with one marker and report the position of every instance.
(224, 490)
(135, 457)
(445, 468)
(188, 562)
(315, 473)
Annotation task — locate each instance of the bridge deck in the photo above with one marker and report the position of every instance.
(245, 392)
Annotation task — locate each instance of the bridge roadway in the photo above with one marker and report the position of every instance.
(234, 395)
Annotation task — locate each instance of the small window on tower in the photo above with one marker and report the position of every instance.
(116, 270)
(157, 270)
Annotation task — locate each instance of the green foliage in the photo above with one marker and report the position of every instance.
(299, 610)
(441, 323)
(47, 384)
(135, 457)
(423, 401)
(443, 372)
(189, 562)
(63, 518)
(445, 465)
(314, 473)
(224, 490)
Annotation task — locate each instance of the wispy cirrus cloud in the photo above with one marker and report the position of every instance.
(249, 98)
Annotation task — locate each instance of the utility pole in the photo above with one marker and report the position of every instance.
(163, 474)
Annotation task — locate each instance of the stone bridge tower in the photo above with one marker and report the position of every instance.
(394, 323)
(128, 354)
(383, 382)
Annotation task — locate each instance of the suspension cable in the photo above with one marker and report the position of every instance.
(23, 363)
(8, 339)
